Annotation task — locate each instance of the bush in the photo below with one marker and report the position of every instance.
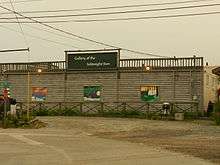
(190, 115)
(76, 112)
(41, 112)
(57, 112)
(217, 113)
(12, 121)
(124, 113)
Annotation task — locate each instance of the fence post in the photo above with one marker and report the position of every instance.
(102, 108)
(148, 110)
(21, 106)
(172, 111)
(124, 106)
(197, 109)
(40, 106)
(81, 107)
(60, 106)
(19, 109)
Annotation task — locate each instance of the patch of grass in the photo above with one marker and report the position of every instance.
(13, 121)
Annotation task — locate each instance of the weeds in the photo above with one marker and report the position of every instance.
(217, 113)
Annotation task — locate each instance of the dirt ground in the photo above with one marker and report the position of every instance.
(197, 138)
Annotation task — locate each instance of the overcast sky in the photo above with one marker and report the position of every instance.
(180, 37)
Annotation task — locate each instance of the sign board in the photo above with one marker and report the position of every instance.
(92, 60)
(39, 93)
(149, 93)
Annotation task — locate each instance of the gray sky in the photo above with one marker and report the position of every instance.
(185, 36)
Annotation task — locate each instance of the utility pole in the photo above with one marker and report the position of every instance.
(6, 100)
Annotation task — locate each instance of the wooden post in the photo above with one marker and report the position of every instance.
(81, 107)
(65, 85)
(197, 109)
(124, 106)
(102, 108)
(148, 110)
(174, 86)
(28, 94)
(60, 106)
(5, 113)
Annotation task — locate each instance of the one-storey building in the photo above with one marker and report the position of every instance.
(101, 76)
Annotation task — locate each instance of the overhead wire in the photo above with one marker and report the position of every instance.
(117, 12)
(40, 38)
(143, 18)
(20, 1)
(19, 24)
(22, 31)
(51, 32)
(112, 7)
(118, 19)
(80, 37)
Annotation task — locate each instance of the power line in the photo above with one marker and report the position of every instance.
(78, 36)
(19, 24)
(48, 31)
(21, 1)
(118, 12)
(41, 38)
(21, 29)
(112, 7)
(29, 22)
(57, 34)
(119, 19)
(51, 32)
(145, 18)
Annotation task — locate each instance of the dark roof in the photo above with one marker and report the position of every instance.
(216, 71)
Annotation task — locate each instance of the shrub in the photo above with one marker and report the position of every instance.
(76, 112)
(40, 112)
(124, 113)
(190, 115)
(57, 112)
(12, 121)
(217, 113)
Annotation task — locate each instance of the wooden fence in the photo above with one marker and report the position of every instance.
(190, 62)
(105, 108)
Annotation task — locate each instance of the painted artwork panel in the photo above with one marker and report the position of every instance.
(92, 93)
(39, 93)
(149, 93)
